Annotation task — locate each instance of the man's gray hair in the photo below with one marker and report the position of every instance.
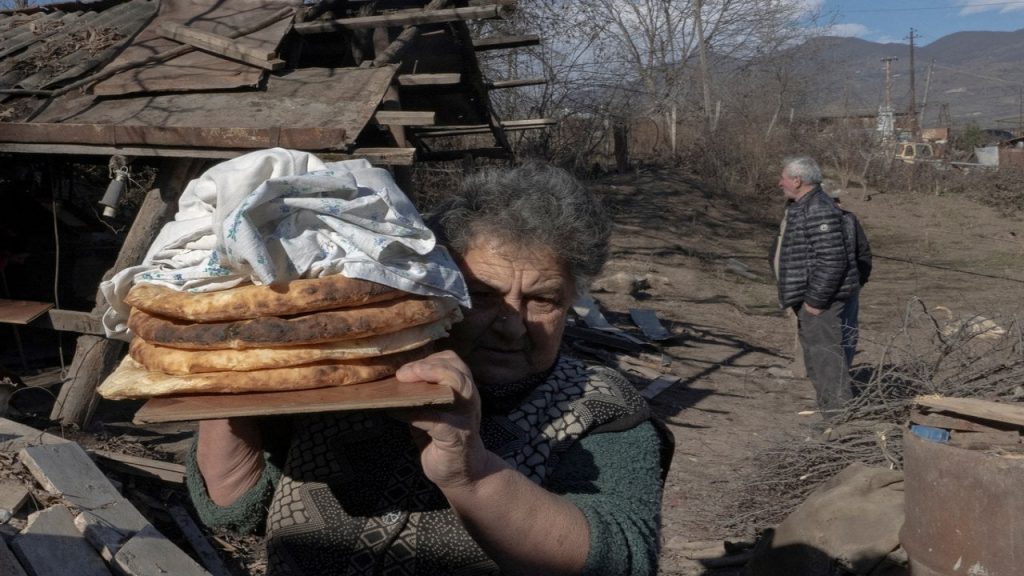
(804, 168)
(532, 205)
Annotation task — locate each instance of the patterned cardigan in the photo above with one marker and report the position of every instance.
(351, 497)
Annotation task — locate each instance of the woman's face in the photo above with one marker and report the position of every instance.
(520, 301)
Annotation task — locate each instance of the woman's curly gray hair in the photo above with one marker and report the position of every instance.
(532, 205)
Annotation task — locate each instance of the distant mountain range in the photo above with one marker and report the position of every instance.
(976, 76)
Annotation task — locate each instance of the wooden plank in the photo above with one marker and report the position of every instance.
(101, 150)
(503, 42)
(996, 411)
(9, 565)
(51, 546)
(659, 385)
(75, 321)
(21, 311)
(221, 46)
(202, 547)
(230, 45)
(411, 18)
(150, 553)
(937, 420)
(12, 496)
(387, 393)
(147, 467)
(14, 436)
(383, 156)
(649, 324)
(446, 79)
(107, 518)
(405, 117)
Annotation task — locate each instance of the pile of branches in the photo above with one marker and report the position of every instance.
(932, 353)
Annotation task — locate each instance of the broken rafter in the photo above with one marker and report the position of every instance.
(499, 84)
(503, 42)
(414, 18)
(395, 49)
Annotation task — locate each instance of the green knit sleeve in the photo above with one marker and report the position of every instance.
(615, 479)
(247, 514)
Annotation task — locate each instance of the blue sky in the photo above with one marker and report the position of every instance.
(891, 20)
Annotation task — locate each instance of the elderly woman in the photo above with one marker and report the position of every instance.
(544, 465)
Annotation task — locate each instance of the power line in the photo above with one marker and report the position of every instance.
(923, 8)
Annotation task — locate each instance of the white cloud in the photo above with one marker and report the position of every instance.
(978, 6)
(848, 29)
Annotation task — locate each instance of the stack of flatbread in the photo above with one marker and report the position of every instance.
(307, 333)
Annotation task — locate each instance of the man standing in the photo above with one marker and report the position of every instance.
(817, 274)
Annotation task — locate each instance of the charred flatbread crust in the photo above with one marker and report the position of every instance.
(274, 332)
(181, 361)
(250, 301)
(132, 380)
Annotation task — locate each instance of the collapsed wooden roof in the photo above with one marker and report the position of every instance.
(206, 78)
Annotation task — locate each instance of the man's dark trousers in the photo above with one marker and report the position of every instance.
(821, 338)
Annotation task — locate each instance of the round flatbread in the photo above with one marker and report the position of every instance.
(132, 380)
(274, 332)
(181, 361)
(250, 301)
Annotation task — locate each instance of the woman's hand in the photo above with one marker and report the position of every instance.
(452, 453)
(498, 506)
(230, 457)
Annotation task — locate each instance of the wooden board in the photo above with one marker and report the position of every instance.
(649, 324)
(21, 311)
(997, 411)
(387, 393)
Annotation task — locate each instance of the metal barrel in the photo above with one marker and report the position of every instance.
(964, 510)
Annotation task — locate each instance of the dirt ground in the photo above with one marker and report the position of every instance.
(674, 249)
(732, 339)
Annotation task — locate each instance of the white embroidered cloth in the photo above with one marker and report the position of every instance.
(276, 215)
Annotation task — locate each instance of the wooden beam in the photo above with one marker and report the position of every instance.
(414, 18)
(462, 130)
(503, 42)
(452, 155)
(383, 156)
(74, 321)
(235, 49)
(146, 467)
(447, 79)
(95, 357)
(137, 152)
(1008, 413)
(405, 117)
(515, 83)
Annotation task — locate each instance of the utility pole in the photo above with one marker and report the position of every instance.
(885, 117)
(913, 94)
(924, 100)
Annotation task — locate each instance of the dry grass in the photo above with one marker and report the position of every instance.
(926, 356)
